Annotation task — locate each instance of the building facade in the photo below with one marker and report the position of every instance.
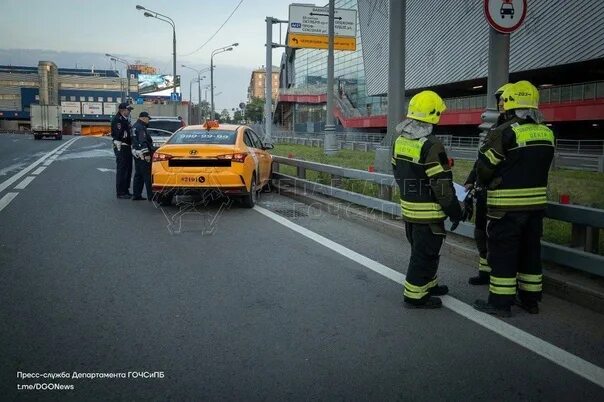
(560, 48)
(88, 97)
(257, 83)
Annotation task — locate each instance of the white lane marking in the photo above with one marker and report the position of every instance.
(39, 170)
(8, 197)
(573, 363)
(24, 182)
(8, 182)
(106, 170)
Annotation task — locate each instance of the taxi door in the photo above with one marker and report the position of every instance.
(264, 159)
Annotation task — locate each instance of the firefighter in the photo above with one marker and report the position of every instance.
(514, 165)
(121, 134)
(480, 222)
(421, 169)
(142, 149)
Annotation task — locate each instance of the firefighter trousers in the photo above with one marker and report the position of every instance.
(426, 241)
(514, 243)
(480, 233)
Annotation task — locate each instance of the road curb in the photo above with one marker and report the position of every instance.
(556, 282)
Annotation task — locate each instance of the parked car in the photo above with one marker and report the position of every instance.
(227, 158)
(162, 127)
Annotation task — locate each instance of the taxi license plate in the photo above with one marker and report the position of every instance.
(192, 179)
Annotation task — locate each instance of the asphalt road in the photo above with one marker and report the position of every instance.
(231, 304)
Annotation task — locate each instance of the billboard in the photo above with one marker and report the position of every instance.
(157, 84)
(110, 108)
(92, 108)
(71, 108)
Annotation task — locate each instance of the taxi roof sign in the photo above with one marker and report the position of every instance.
(211, 124)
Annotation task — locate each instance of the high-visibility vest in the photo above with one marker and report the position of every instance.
(523, 170)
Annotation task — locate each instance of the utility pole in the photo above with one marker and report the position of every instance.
(396, 83)
(329, 143)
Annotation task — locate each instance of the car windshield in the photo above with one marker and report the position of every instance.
(167, 125)
(204, 137)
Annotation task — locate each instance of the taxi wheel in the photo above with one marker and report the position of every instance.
(249, 200)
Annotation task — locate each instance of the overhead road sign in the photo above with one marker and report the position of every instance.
(505, 16)
(321, 42)
(308, 26)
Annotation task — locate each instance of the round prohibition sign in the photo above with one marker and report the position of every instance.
(505, 16)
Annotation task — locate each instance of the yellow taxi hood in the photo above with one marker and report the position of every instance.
(198, 150)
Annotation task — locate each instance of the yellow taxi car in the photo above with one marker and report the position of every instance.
(228, 159)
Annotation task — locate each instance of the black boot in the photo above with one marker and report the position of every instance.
(429, 302)
(438, 290)
(486, 307)
(481, 279)
(529, 307)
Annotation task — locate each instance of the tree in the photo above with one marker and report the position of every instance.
(204, 107)
(238, 116)
(225, 116)
(254, 110)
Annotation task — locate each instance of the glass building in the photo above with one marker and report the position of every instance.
(447, 51)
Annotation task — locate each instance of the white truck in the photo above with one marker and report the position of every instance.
(46, 121)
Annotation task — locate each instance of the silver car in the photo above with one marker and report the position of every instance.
(162, 127)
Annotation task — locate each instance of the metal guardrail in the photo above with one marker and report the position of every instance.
(595, 147)
(586, 222)
(461, 148)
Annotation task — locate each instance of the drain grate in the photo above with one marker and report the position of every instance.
(291, 212)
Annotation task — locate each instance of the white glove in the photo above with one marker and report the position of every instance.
(136, 153)
(117, 144)
(147, 158)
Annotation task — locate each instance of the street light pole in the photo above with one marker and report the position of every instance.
(214, 53)
(199, 78)
(127, 64)
(165, 18)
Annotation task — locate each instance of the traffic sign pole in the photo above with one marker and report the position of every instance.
(499, 67)
(396, 83)
(504, 17)
(329, 142)
(268, 83)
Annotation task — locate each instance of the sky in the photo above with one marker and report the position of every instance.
(83, 31)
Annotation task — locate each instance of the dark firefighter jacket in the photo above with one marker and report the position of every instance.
(421, 169)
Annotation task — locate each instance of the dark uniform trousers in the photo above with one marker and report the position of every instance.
(142, 176)
(426, 240)
(514, 243)
(480, 232)
(123, 171)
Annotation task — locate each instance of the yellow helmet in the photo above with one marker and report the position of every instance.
(426, 106)
(503, 88)
(520, 95)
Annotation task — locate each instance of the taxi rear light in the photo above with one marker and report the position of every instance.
(238, 157)
(159, 157)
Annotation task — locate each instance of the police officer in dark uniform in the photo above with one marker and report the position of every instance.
(514, 166)
(121, 134)
(421, 169)
(480, 195)
(142, 149)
